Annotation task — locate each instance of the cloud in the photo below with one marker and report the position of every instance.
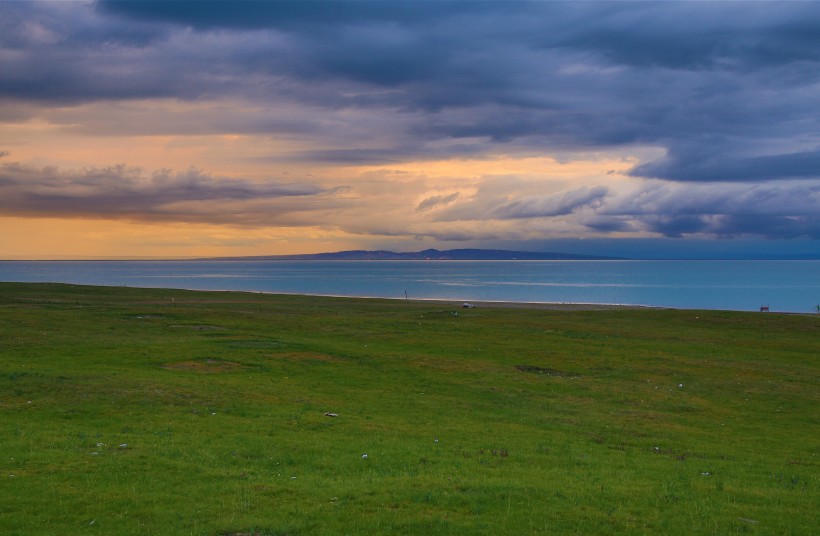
(781, 210)
(291, 15)
(696, 167)
(547, 75)
(718, 85)
(488, 208)
(436, 201)
(726, 92)
(120, 192)
(552, 205)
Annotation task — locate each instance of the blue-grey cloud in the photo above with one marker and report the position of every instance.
(699, 79)
(783, 210)
(121, 192)
(289, 14)
(696, 167)
(552, 205)
(490, 202)
(436, 201)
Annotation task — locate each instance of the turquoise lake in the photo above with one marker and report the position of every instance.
(782, 285)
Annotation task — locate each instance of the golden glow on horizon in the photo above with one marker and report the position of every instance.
(381, 204)
(447, 201)
(49, 239)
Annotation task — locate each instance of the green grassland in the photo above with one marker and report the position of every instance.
(144, 411)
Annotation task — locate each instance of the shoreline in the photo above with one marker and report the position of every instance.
(448, 302)
(457, 303)
(553, 306)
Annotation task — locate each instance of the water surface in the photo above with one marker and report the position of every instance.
(792, 286)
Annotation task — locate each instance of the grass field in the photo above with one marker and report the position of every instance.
(142, 411)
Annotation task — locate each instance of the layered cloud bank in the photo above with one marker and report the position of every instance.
(311, 125)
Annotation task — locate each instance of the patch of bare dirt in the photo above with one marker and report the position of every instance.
(196, 327)
(545, 370)
(206, 366)
(304, 356)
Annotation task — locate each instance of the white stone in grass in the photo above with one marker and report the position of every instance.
(364, 456)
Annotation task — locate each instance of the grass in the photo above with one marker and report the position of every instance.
(146, 411)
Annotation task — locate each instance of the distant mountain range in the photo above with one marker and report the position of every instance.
(426, 255)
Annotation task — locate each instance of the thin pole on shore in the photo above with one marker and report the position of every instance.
(405, 296)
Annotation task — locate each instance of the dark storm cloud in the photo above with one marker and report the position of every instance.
(737, 225)
(716, 168)
(710, 82)
(701, 35)
(537, 75)
(120, 192)
(290, 14)
(783, 210)
(59, 53)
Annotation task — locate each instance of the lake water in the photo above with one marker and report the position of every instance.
(790, 286)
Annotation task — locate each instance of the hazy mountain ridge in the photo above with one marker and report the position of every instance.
(428, 254)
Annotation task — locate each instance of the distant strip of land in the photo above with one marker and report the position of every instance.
(428, 255)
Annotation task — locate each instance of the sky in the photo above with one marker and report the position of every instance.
(211, 128)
